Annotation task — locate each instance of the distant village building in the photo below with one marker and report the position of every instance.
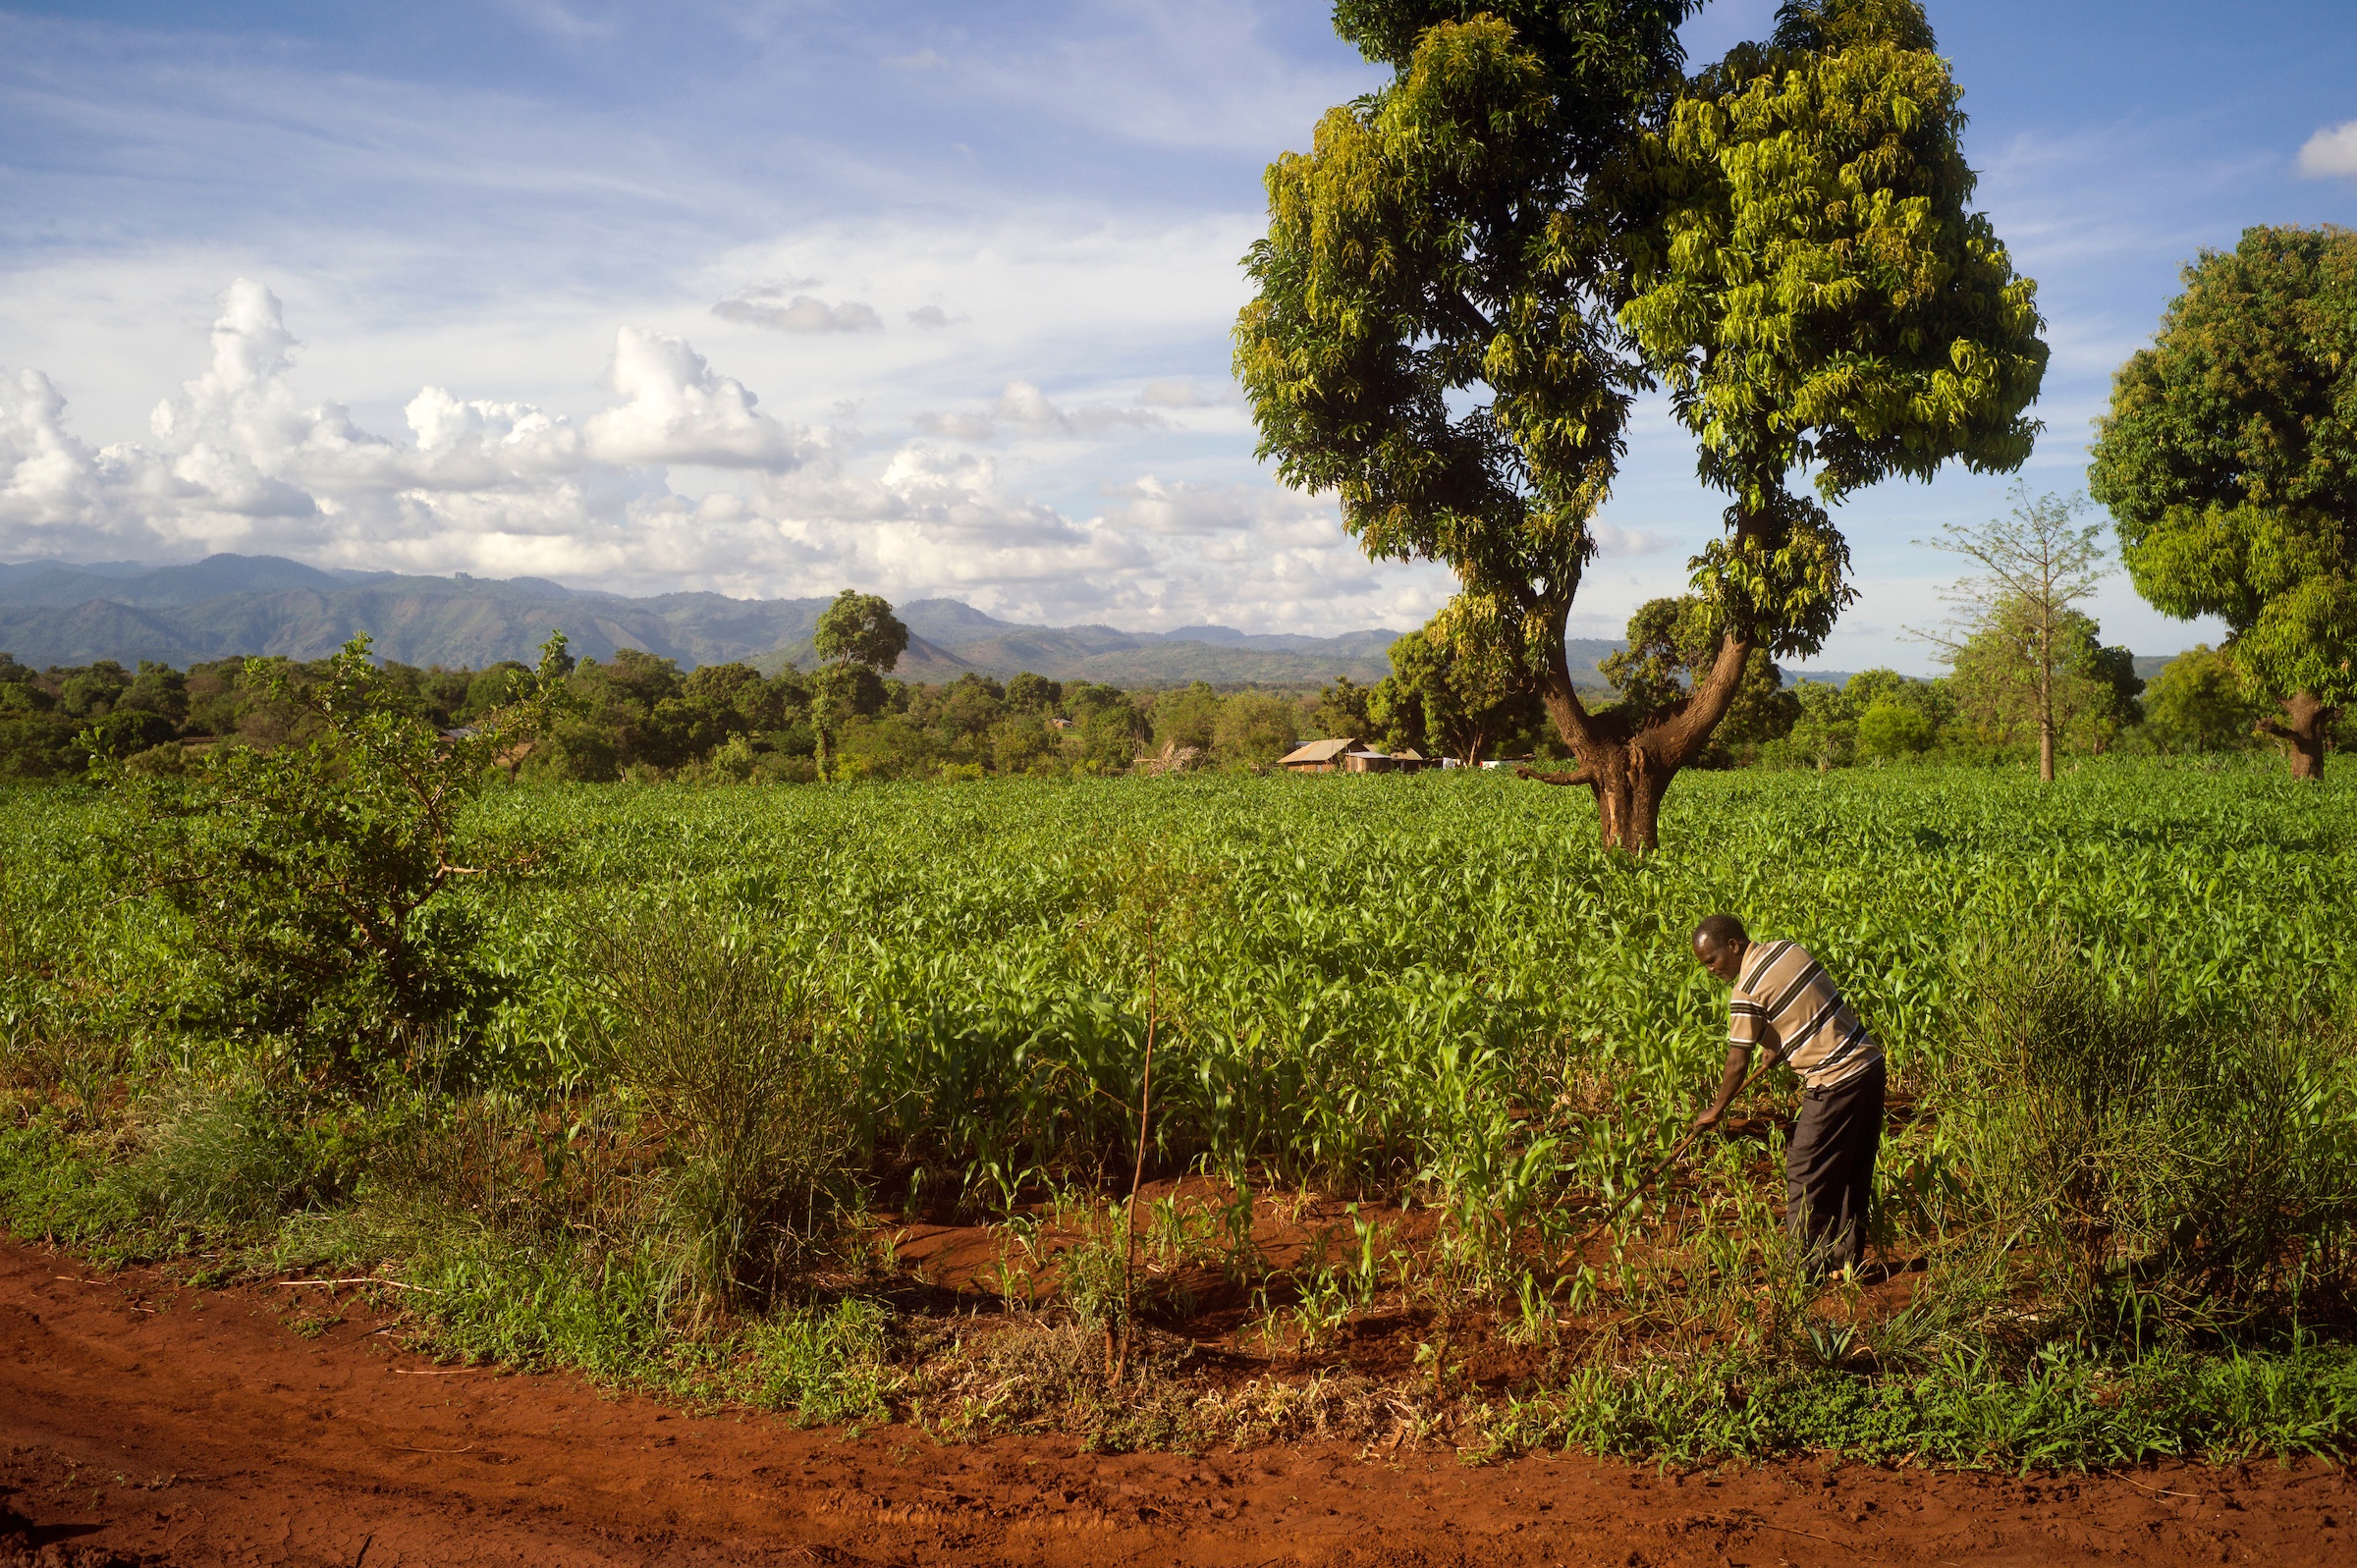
(1318, 756)
(1347, 754)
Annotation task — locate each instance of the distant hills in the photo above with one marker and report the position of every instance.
(58, 612)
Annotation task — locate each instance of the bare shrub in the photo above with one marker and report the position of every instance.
(717, 1043)
(2130, 1139)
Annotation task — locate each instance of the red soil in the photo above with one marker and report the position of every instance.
(143, 1421)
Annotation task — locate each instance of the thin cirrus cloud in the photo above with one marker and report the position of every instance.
(2332, 153)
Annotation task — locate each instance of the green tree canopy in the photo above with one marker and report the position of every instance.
(2198, 702)
(1672, 644)
(1254, 729)
(2020, 652)
(2229, 461)
(2089, 692)
(1343, 710)
(858, 640)
(1476, 268)
(1030, 693)
(1888, 730)
(1187, 717)
(860, 629)
(1443, 703)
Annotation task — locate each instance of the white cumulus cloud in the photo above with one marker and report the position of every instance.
(240, 457)
(2331, 152)
(676, 410)
(1023, 408)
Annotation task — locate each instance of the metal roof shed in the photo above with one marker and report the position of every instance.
(1318, 756)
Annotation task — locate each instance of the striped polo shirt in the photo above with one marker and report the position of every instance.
(1786, 1001)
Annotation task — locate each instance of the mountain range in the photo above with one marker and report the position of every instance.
(59, 613)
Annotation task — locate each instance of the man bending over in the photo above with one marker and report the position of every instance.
(1785, 1003)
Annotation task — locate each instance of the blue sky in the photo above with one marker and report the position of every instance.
(774, 299)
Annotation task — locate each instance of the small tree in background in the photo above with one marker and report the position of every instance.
(1186, 717)
(2199, 702)
(1031, 693)
(1671, 645)
(1443, 703)
(2015, 641)
(858, 640)
(2089, 699)
(1343, 710)
(1888, 730)
(1254, 729)
(2230, 459)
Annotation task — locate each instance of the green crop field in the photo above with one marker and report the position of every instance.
(2116, 1010)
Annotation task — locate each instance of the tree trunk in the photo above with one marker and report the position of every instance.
(1629, 770)
(1630, 786)
(2045, 696)
(2310, 720)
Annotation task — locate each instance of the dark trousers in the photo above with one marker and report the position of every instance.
(1828, 1170)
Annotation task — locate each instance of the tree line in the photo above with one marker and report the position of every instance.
(639, 717)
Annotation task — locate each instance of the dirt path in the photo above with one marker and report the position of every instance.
(144, 1423)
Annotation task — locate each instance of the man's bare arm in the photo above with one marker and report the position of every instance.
(1738, 1068)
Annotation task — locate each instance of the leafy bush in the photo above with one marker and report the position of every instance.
(310, 878)
(1889, 730)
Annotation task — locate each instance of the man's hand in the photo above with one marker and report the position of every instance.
(1709, 1119)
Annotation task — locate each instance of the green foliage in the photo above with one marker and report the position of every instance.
(859, 639)
(827, 1365)
(1342, 711)
(1253, 729)
(2198, 702)
(2229, 457)
(310, 880)
(1818, 293)
(2141, 1140)
(2068, 1411)
(1995, 683)
(1479, 264)
(1437, 987)
(1431, 335)
(1443, 701)
(1826, 734)
(1670, 645)
(1030, 693)
(860, 629)
(1888, 730)
(1190, 716)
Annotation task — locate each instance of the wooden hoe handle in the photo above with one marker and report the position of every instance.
(1666, 1161)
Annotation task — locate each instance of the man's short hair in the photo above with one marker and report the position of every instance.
(1719, 930)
